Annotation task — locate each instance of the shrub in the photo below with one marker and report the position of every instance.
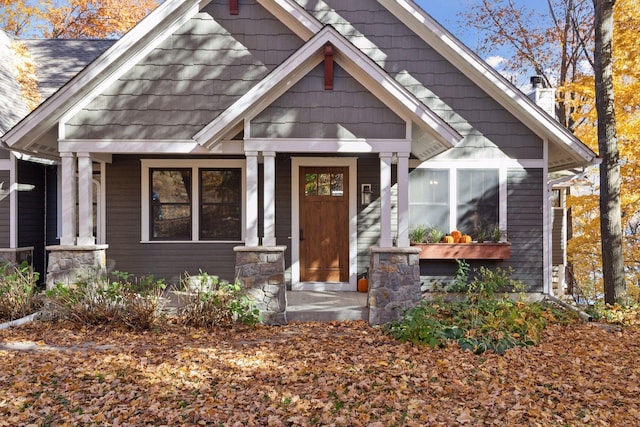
(18, 291)
(220, 304)
(125, 300)
(482, 321)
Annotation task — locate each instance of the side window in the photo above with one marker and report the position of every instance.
(429, 198)
(170, 201)
(478, 197)
(220, 204)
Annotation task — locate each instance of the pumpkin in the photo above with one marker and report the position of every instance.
(448, 239)
(363, 285)
(456, 236)
(465, 239)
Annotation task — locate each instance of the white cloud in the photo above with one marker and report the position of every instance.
(495, 61)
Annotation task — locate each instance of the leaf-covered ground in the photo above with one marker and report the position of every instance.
(312, 374)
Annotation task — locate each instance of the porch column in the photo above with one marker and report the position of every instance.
(85, 200)
(68, 200)
(403, 200)
(251, 237)
(386, 240)
(269, 238)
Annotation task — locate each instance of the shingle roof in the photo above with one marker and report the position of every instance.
(12, 106)
(57, 61)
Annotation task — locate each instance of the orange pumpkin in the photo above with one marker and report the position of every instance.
(456, 236)
(448, 239)
(465, 239)
(363, 285)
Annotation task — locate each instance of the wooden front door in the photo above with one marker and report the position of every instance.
(324, 224)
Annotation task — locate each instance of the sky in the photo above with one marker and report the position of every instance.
(446, 13)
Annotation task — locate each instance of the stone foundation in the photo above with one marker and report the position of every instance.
(260, 270)
(394, 283)
(16, 255)
(72, 264)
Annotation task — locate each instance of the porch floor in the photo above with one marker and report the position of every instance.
(325, 306)
(309, 306)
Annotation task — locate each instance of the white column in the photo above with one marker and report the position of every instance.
(251, 233)
(85, 200)
(13, 201)
(386, 240)
(403, 199)
(269, 238)
(68, 199)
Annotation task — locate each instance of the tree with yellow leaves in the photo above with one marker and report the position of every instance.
(72, 18)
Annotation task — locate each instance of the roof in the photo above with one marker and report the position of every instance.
(566, 150)
(57, 61)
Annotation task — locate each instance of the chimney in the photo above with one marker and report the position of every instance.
(543, 96)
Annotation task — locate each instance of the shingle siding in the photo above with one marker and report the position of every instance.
(190, 78)
(308, 111)
(485, 124)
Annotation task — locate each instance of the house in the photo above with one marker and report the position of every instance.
(292, 144)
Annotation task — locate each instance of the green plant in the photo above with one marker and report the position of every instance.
(479, 233)
(496, 234)
(418, 235)
(18, 291)
(461, 281)
(433, 235)
(482, 321)
(222, 304)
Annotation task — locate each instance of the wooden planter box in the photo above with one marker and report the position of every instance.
(465, 250)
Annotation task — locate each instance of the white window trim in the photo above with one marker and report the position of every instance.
(194, 165)
(453, 167)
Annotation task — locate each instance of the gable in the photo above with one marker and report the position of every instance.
(308, 111)
(489, 130)
(190, 78)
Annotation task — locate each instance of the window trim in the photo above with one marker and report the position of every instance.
(453, 168)
(195, 165)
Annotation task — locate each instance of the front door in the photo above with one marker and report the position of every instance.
(324, 224)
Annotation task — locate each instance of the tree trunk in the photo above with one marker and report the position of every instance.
(610, 214)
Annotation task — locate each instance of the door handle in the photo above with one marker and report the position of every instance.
(301, 234)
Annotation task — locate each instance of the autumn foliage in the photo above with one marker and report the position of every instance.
(79, 19)
(342, 374)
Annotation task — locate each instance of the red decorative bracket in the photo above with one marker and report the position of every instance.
(328, 67)
(233, 7)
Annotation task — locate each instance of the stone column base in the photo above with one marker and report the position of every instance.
(69, 265)
(16, 255)
(394, 283)
(260, 270)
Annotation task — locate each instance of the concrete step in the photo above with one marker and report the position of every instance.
(326, 306)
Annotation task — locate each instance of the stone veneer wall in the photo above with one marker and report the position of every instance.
(70, 264)
(260, 270)
(394, 283)
(16, 256)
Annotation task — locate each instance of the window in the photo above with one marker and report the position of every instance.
(429, 198)
(192, 200)
(461, 198)
(324, 184)
(478, 199)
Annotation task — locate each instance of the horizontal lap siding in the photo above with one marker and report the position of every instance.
(162, 260)
(368, 216)
(192, 77)
(347, 111)
(31, 220)
(5, 205)
(490, 131)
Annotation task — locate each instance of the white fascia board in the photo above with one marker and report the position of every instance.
(302, 62)
(294, 16)
(485, 77)
(147, 146)
(82, 85)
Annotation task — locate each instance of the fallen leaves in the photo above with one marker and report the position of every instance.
(312, 374)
